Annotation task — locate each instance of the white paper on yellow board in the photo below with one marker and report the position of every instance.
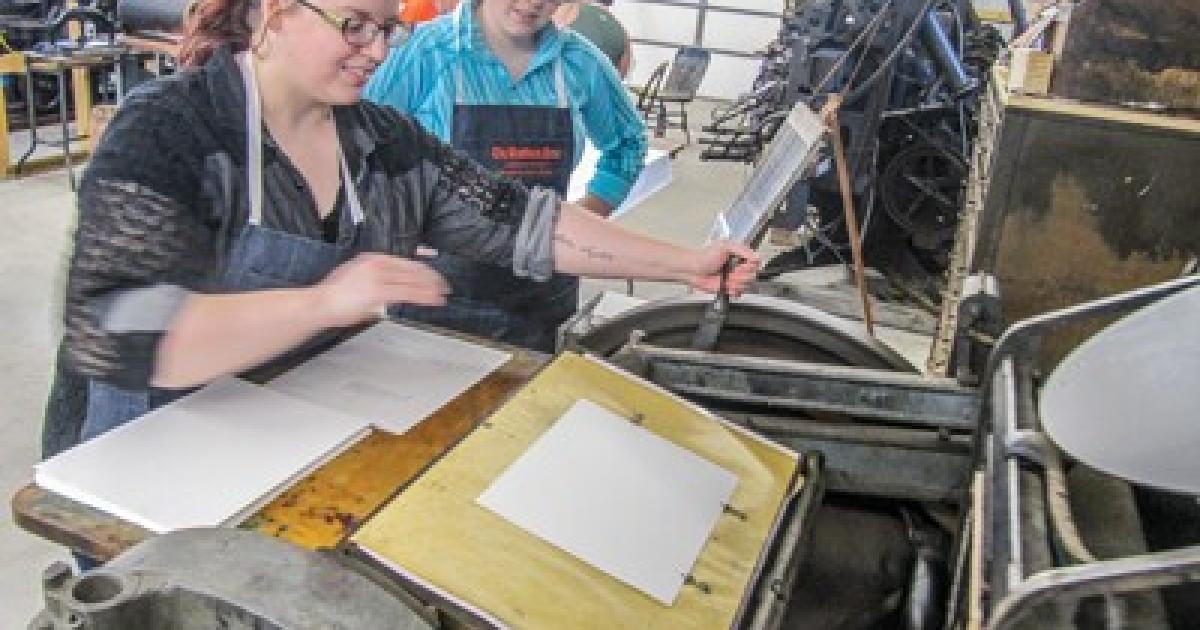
(615, 495)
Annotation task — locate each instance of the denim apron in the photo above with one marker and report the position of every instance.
(535, 144)
(259, 258)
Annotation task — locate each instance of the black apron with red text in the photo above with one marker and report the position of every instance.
(535, 144)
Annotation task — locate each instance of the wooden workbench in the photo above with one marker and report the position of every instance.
(323, 508)
(12, 63)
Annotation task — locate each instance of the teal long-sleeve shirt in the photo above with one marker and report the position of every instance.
(417, 78)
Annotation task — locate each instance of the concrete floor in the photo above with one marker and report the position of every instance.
(39, 211)
(18, 144)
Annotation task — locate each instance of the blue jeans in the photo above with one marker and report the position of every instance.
(109, 407)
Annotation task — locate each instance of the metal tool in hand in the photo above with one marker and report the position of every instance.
(713, 320)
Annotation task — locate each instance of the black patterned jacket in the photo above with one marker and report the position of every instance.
(166, 191)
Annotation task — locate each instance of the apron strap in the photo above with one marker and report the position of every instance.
(458, 85)
(356, 211)
(253, 138)
(560, 85)
(254, 170)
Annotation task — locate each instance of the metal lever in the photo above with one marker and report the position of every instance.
(713, 320)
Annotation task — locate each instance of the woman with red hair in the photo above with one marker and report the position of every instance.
(252, 206)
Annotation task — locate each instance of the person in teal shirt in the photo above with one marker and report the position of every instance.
(598, 25)
(499, 81)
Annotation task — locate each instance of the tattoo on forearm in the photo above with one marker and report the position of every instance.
(590, 251)
(598, 254)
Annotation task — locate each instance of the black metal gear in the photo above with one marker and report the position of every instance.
(922, 191)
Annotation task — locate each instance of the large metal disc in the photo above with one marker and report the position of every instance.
(1127, 401)
(757, 325)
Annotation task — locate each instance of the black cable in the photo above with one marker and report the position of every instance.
(901, 46)
(872, 28)
(876, 24)
(961, 31)
(959, 28)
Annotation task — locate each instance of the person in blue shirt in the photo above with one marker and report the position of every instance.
(499, 81)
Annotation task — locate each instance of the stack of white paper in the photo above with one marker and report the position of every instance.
(390, 375)
(206, 460)
(616, 496)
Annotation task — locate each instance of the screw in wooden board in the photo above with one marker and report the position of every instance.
(690, 580)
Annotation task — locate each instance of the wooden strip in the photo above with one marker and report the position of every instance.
(81, 83)
(1103, 113)
(81, 89)
(830, 115)
(74, 525)
(975, 581)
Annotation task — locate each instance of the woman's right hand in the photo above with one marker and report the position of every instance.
(361, 288)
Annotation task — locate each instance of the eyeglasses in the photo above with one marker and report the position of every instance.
(356, 30)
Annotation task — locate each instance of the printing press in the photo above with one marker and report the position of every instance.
(977, 480)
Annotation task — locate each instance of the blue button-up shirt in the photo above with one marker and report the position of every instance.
(418, 79)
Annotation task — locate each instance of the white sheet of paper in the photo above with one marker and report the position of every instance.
(201, 461)
(616, 496)
(791, 153)
(655, 175)
(391, 375)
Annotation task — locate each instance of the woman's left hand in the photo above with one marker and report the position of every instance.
(710, 262)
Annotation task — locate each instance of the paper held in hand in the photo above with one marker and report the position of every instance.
(792, 152)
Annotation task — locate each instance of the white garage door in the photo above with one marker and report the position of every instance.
(735, 31)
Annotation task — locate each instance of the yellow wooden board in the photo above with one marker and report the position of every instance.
(435, 531)
(12, 63)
